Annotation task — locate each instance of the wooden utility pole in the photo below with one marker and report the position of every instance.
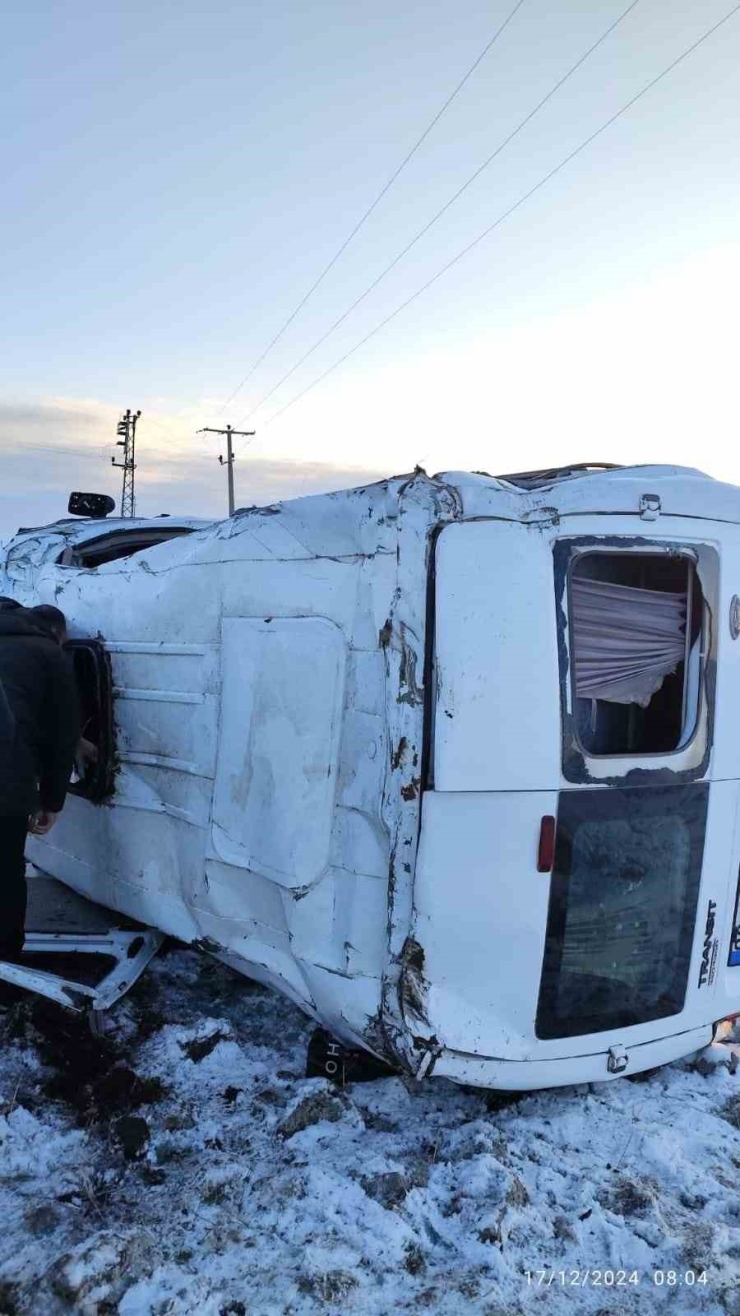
(229, 462)
(126, 430)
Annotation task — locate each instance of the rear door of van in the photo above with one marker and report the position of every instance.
(539, 943)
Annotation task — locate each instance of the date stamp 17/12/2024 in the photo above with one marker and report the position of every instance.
(615, 1279)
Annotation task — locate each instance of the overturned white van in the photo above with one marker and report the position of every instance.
(452, 762)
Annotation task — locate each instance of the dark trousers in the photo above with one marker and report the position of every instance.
(13, 831)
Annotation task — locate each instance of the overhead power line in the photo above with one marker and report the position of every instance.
(510, 211)
(384, 190)
(60, 450)
(455, 196)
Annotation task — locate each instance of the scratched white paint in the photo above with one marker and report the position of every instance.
(278, 750)
(269, 674)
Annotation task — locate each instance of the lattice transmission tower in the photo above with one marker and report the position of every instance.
(126, 431)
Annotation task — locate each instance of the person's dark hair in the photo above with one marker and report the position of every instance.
(50, 618)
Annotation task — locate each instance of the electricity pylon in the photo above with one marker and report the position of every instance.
(126, 430)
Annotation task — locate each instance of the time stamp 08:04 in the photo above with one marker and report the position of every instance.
(613, 1279)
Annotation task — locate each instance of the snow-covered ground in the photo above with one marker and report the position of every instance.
(187, 1166)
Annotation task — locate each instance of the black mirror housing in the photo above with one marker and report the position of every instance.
(96, 506)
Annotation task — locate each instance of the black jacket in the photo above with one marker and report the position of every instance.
(39, 686)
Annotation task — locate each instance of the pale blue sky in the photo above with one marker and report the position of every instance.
(177, 175)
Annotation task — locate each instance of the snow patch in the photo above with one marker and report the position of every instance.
(259, 1191)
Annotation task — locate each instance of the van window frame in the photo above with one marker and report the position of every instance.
(598, 551)
(99, 782)
(692, 762)
(71, 554)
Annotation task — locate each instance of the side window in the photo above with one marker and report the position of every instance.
(637, 632)
(118, 544)
(94, 688)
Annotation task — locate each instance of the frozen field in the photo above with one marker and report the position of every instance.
(185, 1165)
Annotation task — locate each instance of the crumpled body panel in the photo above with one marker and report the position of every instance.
(271, 677)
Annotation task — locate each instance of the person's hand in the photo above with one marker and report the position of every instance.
(42, 822)
(86, 752)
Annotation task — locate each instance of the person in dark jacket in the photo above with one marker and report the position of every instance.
(7, 721)
(36, 759)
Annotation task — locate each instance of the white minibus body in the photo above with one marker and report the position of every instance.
(450, 762)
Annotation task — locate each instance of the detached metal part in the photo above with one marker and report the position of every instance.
(131, 951)
(64, 923)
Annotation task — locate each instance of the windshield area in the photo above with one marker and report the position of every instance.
(622, 908)
(118, 544)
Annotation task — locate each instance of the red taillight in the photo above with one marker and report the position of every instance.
(546, 848)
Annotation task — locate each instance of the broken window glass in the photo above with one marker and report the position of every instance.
(636, 624)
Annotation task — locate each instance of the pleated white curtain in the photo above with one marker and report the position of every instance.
(625, 640)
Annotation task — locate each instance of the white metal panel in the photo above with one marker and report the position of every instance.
(281, 708)
(481, 916)
(681, 490)
(529, 1075)
(497, 716)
